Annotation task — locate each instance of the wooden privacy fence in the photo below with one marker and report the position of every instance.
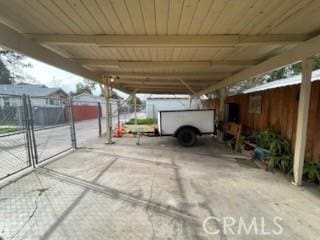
(279, 109)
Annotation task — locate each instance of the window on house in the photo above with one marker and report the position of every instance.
(6, 102)
(53, 101)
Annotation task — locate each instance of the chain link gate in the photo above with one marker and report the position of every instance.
(52, 128)
(33, 131)
(14, 136)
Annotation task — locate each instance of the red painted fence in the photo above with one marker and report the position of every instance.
(84, 112)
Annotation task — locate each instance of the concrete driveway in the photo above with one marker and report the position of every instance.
(157, 190)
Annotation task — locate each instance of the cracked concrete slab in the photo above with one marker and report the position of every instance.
(157, 190)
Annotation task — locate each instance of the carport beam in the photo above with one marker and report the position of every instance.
(302, 123)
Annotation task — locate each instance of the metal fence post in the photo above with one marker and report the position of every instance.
(99, 118)
(72, 124)
(118, 115)
(27, 129)
(33, 143)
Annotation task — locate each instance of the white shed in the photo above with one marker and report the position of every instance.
(156, 103)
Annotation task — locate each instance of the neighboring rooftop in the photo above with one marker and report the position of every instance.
(295, 80)
(171, 96)
(167, 96)
(29, 89)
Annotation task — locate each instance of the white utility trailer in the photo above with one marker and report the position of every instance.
(186, 125)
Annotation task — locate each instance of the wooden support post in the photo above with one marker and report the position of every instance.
(222, 98)
(302, 123)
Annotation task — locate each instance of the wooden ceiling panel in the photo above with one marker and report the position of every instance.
(233, 13)
(121, 9)
(304, 19)
(283, 13)
(111, 16)
(200, 15)
(64, 11)
(253, 12)
(148, 11)
(237, 31)
(188, 10)
(136, 16)
(175, 10)
(14, 16)
(165, 17)
(97, 14)
(161, 15)
(36, 13)
(215, 12)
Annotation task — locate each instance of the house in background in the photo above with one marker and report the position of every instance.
(40, 95)
(47, 104)
(161, 102)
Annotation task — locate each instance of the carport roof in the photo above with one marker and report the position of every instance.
(163, 46)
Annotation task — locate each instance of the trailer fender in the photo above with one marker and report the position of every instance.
(196, 130)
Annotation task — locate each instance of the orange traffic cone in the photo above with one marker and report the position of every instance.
(117, 133)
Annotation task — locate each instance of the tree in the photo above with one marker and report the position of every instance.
(131, 103)
(276, 74)
(284, 72)
(5, 77)
(115, 95)
(131, 100)
(297, 67)
(82, 88)
(87, 86)
(11, 65)
(292, 69)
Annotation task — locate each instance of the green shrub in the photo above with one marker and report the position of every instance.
(141, 121)
(7, 130)
(311, 171)
(279, 155)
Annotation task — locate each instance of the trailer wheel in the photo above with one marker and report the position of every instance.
(187, 137)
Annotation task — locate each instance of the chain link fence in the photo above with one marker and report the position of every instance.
(52, 128)
(90, 119)
(127, 112)
(33, 130)
(13, 138)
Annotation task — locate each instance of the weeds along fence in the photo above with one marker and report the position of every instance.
(127, 112)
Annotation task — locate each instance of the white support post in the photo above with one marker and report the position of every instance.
(135, 112)
(302, 123)
(108, 111)
(190, 101)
